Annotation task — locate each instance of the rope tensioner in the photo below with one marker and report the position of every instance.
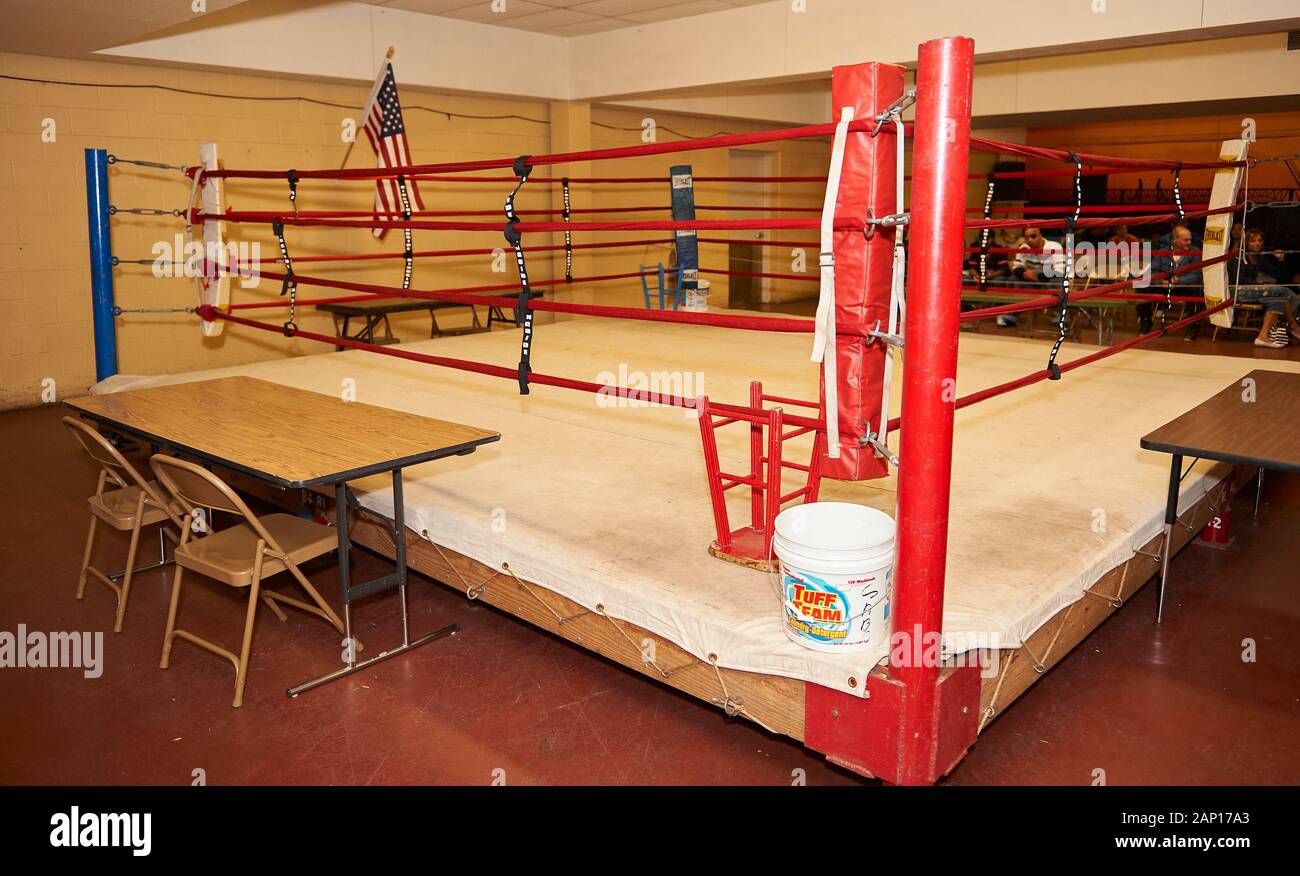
(158, 165)
(113, 210)
(894, 109)
(891, 220)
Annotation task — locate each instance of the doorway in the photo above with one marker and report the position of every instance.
(744, 257)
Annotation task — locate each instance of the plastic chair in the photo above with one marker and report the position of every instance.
(668, 285)
(133, 505)
(243, 555)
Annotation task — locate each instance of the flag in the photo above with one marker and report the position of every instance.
(387, 134)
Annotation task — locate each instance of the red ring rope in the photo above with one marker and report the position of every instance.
(841, 224)
(447, 253)
(208, 312)
(465, 295)
(718, 142)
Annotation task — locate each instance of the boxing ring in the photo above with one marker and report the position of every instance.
(1026, 511)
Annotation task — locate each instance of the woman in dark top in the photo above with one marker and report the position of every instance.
(1256, 279)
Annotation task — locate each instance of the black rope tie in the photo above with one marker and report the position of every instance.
(409, 253)
(1169, 281)
(523, 304)
(568, 236)
(984, 235)
(1063, 301)
(1178, 191)
(292, 177)
(288, 286)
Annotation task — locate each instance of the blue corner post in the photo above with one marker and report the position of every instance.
(101, 263)
(688, 251)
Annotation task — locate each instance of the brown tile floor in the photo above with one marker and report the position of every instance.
(1174, 705)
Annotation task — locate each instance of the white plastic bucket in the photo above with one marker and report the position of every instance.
(836, 564)
(697, 300)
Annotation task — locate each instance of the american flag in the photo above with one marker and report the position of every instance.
(387, 135)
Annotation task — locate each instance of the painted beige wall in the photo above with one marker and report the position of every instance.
(773, 41)
(1231, 69)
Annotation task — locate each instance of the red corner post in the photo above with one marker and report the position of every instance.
(940, 161)
(863, 266)
(919, 721)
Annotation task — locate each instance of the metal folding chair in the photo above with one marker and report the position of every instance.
(133, 505)
(243, 555)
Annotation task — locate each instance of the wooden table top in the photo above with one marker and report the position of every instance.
(282, 434)
(1257, 426)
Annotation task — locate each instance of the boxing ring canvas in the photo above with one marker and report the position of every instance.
(604, 504)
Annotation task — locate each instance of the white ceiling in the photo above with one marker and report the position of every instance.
(76, 27)
(565, 17)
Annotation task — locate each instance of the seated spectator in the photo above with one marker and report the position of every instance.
(1184, 283)
(1255, 280)
(1041, 265)
(997, 265)
(1008, 238)
(1121, 235)
(1166, 241)
(1004, 238)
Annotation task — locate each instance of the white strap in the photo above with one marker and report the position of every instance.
(201, 280)
(824, 348)
(896, 287)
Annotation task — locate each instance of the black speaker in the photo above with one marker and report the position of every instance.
(1094, 189)
(1010, 189)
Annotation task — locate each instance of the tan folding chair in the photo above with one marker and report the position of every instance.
(242, 555)
(133, 505)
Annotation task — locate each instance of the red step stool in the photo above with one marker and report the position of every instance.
(752, 545)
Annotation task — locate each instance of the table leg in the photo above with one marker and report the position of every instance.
(1171, 514)
(396, 578)
(1259, 488)
(345, 568)
(399, 550)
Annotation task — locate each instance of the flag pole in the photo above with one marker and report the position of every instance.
(364, 111)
